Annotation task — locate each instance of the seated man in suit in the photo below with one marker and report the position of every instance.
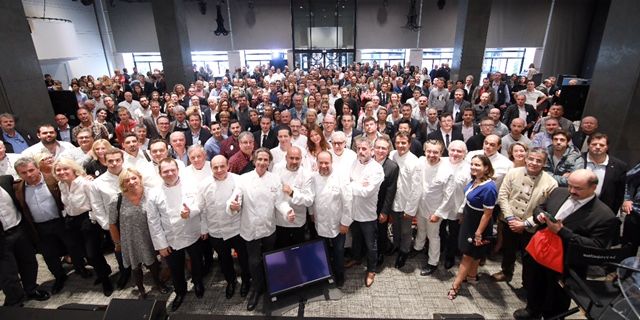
(446, 134)
(582, 219)
(196, 133)
(467, 127)
(456, 105)
(266, 137)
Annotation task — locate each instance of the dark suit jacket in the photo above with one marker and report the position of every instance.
(578, 138)
(6, 183)
(476, 128)
(354, 134)
(29, 138)
(19, 189)
(476, 142)
(270, 142)
(437, 135)
(58, 137)
(512, 112)
(388, 188)
(612, 193)
(593, 225)
(152, 130)
(448, 107)
(204, 136)
(206, 117)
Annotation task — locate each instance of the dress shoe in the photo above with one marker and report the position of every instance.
(524, 314)
(368, 280)
(244, 288)
(351, 263)
(449, 263)
(252, 302)
(107, 287)
(38, 295)
(177, 302)
(380, 260)
(428, 270)
(501, 277)
(199, 290)
(401, 260)
(124, 278)
(58, 284)
(84, 273)
(231, 289)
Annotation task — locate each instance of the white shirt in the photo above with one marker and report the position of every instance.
(216, 219)
(599, 169)
(76, 197)
(9, 216)
(453, 197)
(407, 163)
(300, 141)
(500, 163)
(104, 190)
(300, 183)
(570, 206)
(6, 165)
(365, 184)
(332, 203)
(197, 176)
(76, 154)
(166, 226)
(344, 162)
(37, 148)
(427, 188)
(260, 197)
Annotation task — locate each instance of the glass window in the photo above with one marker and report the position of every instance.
(435, 57)
(383, 56)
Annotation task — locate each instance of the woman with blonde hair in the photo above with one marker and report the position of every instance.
(98, 163)
(130, 231)
(44, 161)
(75, 192)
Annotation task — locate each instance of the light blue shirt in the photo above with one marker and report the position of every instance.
(41, 202)
(17, 141)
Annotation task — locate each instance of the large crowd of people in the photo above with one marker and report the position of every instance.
(258, 160)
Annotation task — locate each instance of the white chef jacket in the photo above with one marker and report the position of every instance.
(427, 189)
(216, 219)
(365, 184)
(259, 197)
(300, 183)
(195, 175)
(407, 164)
(332, 203)
(344, 162)
(104, 190)
(459, 176)
(166, 226)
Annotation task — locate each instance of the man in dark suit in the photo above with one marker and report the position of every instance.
(350, 132)
(386, 195)
(611, 171)
(17, 255)
(581, 219)
(63, 129)
(150, 121)
(41, 206)
(588, 126)
(456, 106)
(196, 132)
(467, 126)
(266, 137)
(446, 134)
(513, 111)
(407, 91)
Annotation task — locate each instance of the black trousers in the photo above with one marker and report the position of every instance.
(286, 236)
(630, 229)
(255, 248)
(223, 249)
(383, 236)
(545, 297)
(91, 236)
(365, 234)
(449, 230)
(513, 242)
(176, 260)
(207, 253)
(54, 241)
(18, 266)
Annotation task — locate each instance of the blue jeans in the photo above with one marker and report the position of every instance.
(366, 232)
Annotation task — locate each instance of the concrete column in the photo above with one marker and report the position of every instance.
(22, 89)
(234, 60)
(290, 60)
(471, 37)
(173, 40)
(415, 57)
(614, 96)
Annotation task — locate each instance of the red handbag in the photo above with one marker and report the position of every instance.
(546, 249)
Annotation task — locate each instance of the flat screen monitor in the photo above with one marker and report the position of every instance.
(296, 266)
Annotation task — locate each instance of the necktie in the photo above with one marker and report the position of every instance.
(446, 136)
(264, 137)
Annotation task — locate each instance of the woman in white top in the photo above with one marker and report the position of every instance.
(75, 190)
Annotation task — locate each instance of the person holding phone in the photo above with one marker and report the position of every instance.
(480, 197)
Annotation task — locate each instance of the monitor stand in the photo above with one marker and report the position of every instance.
(281, 304)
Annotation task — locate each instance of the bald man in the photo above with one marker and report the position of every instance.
(581, 219)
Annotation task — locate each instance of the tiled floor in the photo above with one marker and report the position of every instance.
(395, 294)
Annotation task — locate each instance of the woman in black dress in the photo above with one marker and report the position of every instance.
(481, 196)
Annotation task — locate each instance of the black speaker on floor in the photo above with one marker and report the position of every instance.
(119, 309)
(451, 316)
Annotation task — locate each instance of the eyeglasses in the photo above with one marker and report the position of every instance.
(338, 142)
